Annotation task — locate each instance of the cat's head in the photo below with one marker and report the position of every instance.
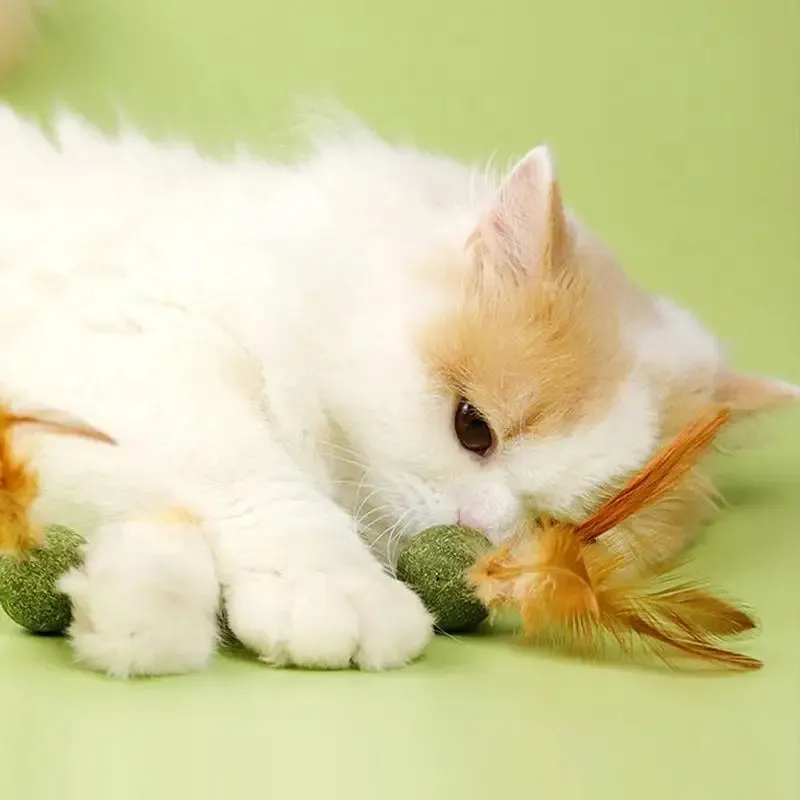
(548, 379)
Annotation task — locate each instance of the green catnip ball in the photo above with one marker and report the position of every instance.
(28, 591)
(434, 565)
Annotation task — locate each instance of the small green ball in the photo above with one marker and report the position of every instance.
(28, 591)
(434, 565)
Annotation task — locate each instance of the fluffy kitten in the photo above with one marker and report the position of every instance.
(371, 341)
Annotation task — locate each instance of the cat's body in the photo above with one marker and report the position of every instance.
(280, 353)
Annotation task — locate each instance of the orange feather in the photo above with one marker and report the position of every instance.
(564, 585)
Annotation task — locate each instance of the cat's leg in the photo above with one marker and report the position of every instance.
(302, 602)
(299, 584)
(145, 600)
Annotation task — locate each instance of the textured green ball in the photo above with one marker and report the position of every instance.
(434, 565)
(28, 592)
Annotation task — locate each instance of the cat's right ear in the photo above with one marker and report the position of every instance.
(525, 228)
(746, 395)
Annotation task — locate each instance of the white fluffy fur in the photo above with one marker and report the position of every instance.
(145, 600)
(247, 333)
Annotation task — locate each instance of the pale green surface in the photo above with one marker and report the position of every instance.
(675, 123)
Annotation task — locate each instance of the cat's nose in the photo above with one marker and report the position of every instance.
(492, 510)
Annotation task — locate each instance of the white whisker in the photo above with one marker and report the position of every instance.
(357, 513)
(349, 462)
(382, 511)
(359, 484)
(392, 534)
(334, 446)
(397, 535)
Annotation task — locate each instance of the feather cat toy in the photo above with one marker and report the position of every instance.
(565, 584)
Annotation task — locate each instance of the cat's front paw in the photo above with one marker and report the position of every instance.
(329, 619)
(145, 601)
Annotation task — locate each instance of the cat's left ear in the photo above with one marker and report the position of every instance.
(525, 229)
(751, 394)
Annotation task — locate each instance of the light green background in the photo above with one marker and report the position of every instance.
(675, 124)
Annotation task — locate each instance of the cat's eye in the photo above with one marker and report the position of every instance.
(472, 430)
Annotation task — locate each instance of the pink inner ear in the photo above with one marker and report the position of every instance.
(524, 228)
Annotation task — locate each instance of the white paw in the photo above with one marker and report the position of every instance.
(330, 619)
(145, 601)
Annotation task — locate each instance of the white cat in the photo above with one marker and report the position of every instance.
(296, 359)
